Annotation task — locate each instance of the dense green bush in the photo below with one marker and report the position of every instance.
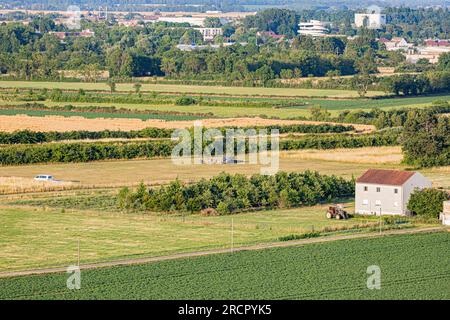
(426, 140)
(232, 193)
(428, 202)
(185, 101)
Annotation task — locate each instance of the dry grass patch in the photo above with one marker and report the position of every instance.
(369, 155)
(11, 185)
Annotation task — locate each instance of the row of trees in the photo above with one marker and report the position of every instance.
(85, 152)
(34, 137)
(227, 193)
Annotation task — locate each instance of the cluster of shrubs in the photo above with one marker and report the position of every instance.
(388, 118)
(227, 193)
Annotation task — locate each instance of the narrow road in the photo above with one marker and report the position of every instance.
(227, 250)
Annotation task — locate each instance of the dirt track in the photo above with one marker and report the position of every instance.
(218, 251)
(61, 124)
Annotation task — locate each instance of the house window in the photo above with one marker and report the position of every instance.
(395, 204)
(395, 190)
(365, 202)
(378, 202)
(378, 189)
(366, 188)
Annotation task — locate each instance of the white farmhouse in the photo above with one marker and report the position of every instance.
(387, 191)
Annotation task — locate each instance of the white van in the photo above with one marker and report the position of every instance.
(43, 177)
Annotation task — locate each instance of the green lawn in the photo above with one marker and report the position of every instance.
(412, 267)
(171, 88)
(39, 237)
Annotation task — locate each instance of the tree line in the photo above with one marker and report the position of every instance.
(226, 194)
(35, 137)
(95, 151)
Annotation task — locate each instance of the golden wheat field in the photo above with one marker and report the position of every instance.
(62, 124)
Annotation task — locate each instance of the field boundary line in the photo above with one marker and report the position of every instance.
(132, 261)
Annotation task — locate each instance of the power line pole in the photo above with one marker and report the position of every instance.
(380, 220)
(232, 235)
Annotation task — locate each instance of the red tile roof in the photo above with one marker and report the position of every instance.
(387, 177)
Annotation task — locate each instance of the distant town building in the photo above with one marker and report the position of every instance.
(314, 28)
(210, 33)
(193, 21)
(431, 54)
(387, 191)
(396, 43)
(437, 43)
(270, 35)
(370, 20)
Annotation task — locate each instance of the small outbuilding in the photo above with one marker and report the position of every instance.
(387, 191)
(445, 215)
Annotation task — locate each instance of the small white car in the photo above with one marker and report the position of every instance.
(43, 177)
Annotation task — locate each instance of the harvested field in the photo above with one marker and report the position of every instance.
(9, 185)
(373, 155)
(61, 124)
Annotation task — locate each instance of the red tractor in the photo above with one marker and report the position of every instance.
(337, 212)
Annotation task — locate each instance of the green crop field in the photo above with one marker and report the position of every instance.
(230, 110)
(412, 267)
(170, 88)
(94, 115)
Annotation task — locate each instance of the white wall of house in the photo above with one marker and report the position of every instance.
(371, 198)
(372, 201)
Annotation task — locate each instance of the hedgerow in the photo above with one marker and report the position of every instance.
(32, 137)
(85, 152)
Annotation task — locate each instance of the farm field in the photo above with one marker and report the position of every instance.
(58, 123)
(96, 115)
(343, 162)
(170, 88)
(229, 110)
(39, 237)
(416, 267)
